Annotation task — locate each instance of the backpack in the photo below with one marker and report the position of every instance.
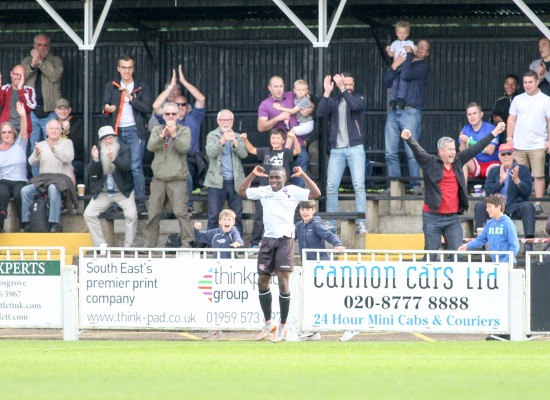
(39, 211)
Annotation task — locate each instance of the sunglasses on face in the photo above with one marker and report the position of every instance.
(182, 104)
(505, 154)
(171, 114)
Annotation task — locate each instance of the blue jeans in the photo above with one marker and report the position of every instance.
(410, 118)
(435, 225)
(38, 133)
(129, 136)
(216, 199)
(301, 161)
(355, 158)
(54, 198)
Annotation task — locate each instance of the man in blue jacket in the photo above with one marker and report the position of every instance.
(415, 71)
(347, 133)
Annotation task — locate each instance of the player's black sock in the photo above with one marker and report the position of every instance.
(265, 303)
(284, 304)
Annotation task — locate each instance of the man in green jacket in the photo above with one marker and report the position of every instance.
(225, 149)
(169, 143)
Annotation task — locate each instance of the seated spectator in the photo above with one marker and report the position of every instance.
(475, 130)
(72, 128)
(13, 163)
(111, 168)
(514, 182)
(170, 144)
(55, 156)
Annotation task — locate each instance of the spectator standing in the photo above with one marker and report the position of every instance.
(226, 150)
(127, 103)
(15, 92)
(446, 194)
(72, 128)
(415, 71)
(475, 130)
(528, 130)
(515, 184)
(269, 117)
(542, 65)
(276, 256)
(169, 143)
(43, 71)
(346, 110)
(191, 117)
(501, 108)
(110, 168)
(55, 156)
(13, 163)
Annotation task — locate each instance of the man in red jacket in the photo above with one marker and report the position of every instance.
(10, 94)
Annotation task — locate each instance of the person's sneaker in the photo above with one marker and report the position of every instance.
(268, 328)
(25, 227)
(279, 333)
(331, 226)
(55, 227)
(212, 335)
(348, 335)
(310, 336)
(416, 190)
(527, 247)
(538, 209)
(103, 247)
(362, 228)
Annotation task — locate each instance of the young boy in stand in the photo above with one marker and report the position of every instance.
(311, 233)
(226, 236)
(500, 232)
(276, 155)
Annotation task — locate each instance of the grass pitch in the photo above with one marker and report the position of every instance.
(261, 370)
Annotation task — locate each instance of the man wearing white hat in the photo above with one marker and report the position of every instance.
(110, 167)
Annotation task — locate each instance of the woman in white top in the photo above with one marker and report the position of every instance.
(13, 163)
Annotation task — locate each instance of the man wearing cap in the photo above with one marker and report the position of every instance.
(169, 143)
(515, 183)
(110, 167)
(10, 94)
(43, 71)
(72, 128)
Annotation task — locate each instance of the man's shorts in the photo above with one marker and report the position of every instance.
(533, 159)
(482, 169)
(276, 255)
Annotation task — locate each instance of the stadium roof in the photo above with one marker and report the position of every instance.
(184, 14)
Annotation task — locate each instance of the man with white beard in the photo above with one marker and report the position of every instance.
(110, 167)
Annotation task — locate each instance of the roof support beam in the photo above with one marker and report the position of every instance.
(534, 19)
(324, 36)
(90, 37)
